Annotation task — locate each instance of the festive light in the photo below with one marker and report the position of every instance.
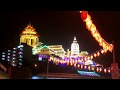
(88, 73)
(84, 15)
(91, 27)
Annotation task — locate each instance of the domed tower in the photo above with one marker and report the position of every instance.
(29, 36)
(75, 48)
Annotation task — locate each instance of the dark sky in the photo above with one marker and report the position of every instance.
(60, 27)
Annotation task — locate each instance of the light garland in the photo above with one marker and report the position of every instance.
(91, 27)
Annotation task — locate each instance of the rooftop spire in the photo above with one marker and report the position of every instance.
(29, 24)
(74, 38)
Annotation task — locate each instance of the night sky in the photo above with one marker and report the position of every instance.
(60, 27)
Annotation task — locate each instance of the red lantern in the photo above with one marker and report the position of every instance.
(84, 15)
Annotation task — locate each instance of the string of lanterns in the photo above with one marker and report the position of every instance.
(78, 64)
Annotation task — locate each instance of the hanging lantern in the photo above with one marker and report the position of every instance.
(89, 68)
(78, 65)
(93, 68)
(84, 15)
(109, 71)
(71, 63)
(74, 65)
(85, 67)
(97, 69)
(105, 70)
(81, 66)
(100, 69)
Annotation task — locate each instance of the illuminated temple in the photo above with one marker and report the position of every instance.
(75, 48)
(29, 36)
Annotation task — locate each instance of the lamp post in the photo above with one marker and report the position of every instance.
(47, 67)
(46, 60)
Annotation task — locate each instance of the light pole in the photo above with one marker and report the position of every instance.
(47, 67)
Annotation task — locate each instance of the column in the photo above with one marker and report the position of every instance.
(25, 40)
(37, 40)
(30, 42)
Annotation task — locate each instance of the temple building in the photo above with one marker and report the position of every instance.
(29, 36)
(75, 48)
(58, 50)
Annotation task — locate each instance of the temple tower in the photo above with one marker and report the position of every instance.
(75, 48)
(29, 36)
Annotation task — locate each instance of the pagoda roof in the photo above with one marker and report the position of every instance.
(29, 30)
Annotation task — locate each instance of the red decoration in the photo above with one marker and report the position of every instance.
(84, 15)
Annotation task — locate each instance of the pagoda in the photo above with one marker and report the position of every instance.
(75, 48)
(29, 36)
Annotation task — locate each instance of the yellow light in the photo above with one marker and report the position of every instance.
(90, 26)
(98, 53)
(78, 65)
(93, 68)
(81, 66)
(105, 70)
(95, 55)
(74, 65)
(88, 18)
(85, 67)
(100, 69)
(71, 64)
(102, 51)
(35, 65)
(97, 69)
(89, 68)
(91, 56)
(109, 70)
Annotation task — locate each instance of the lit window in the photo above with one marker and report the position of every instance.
(3, 52)
(18, 46)
(3, 58)
(20, 52)
(13, 64)
(9, 50)
(14, 48)
(14, 55)
(20, 59)
(3, 55)
(21, 45)
(8, 53)
(20, 56)
(21, 49)
(14, 58)
(14, 51)
(20, 63)
(8, 59)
